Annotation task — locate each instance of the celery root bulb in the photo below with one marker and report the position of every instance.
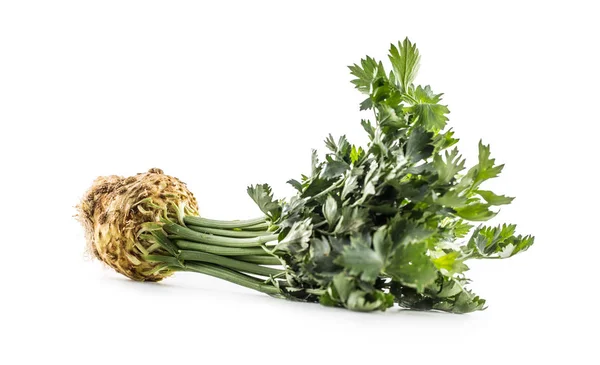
(115, 211)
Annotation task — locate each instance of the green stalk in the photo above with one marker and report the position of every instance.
(328, 190)
(258, 227)
(212, 223)
(172, 261)
(228, 232)
(261, 260)
(229, 263)
(233, 277)
(189, 234)
(218, 250)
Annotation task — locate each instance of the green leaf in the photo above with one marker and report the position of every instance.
(411, 266)
(327, 301)
(405, 62)
(315, 185)
(343, 290)
(452, 199)
(352, 220)
(296, 240)
(319, 247)
(350, 186)
(476, 212)
(358, 301)
(343, 286)
(391, 117)
(486, 169)
(461, 228)
(369, 183)
(430, 114)
(410, 298)
(330, 210)
(366, 104)
(334, 168)
(382, 242)
(378, 144)
(366, 73)
(381, 91)
(497, 242)
(263, 197)
(444, 140)
(338, 243)
(448, 168)
(330, 143)
(296, 184)
(356, 154)
(361, 260)
(464, 302)
(447, 287)
(314, 163)
(403, 231)
(451, 262)
(368, 127)
(446, 295)
(419, 145)
(321, 259)
(340, 149)
(493, 199)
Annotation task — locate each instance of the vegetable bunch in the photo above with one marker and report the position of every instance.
(394, 222)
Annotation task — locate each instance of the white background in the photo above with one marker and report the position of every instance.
(223, 96)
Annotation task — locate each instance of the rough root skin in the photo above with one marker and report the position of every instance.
(114, 209)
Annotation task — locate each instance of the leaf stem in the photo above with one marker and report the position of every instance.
(233, 277)
(409, 98)
(189, 234)
(212, 223)
(258, 227)
(230, 263)
(228, 232)
(262, 260)
(218, 250)
(329, 189)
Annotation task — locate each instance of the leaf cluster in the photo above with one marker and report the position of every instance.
(392, 222)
